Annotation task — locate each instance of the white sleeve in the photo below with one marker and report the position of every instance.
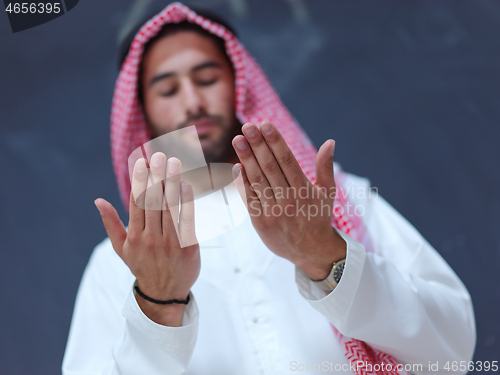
(405, 300)
(106, 342)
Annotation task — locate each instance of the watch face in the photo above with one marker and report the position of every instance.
(337, 273)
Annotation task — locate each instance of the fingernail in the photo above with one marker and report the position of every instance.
(241, 143)
(266, 128)
(331, 150)
(236, 170)
(250, 130)
(184, 186)
(158, 159)
(141, 166)
(173, 165)
(100, 212)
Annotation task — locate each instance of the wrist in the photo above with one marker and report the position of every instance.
(319, 263)
(166, 315)
(316, 272)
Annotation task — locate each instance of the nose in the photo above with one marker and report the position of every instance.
(193, 101)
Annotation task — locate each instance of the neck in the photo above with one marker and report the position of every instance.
(214, 176)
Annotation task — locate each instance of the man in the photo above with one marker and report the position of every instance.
(151, 302)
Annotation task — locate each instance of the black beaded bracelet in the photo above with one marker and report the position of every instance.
(169, 302)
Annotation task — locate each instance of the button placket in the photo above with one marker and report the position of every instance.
(251, 259)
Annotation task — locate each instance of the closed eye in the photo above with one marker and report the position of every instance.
(169, 92)
(207, 82)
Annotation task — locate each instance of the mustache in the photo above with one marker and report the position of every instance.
(214, 118)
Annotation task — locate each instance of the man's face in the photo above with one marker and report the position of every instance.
(186, 80)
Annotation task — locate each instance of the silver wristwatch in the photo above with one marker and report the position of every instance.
(333, 278)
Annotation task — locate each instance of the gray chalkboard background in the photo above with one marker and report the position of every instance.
(409, 90)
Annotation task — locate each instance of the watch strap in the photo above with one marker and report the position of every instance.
(331, 282)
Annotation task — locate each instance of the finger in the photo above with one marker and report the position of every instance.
(138, 193)
(186, 216)
(154, 194)
(248, 196)
(256, 177)
(171, 197)
(266, 159)
(324, 166)
(114, 227)
(286, 160)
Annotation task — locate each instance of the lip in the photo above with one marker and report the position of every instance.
(203, 126)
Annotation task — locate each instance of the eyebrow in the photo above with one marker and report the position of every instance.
(204, 65)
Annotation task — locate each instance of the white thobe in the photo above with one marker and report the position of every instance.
(252, 312)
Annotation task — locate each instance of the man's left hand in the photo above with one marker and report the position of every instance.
(291, 215)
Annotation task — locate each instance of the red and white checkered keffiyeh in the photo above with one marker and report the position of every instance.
(256, 101)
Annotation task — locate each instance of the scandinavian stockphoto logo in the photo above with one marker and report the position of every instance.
(222, 198)
(27, 14)
(215, 190)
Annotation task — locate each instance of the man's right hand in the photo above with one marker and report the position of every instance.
(152, 246)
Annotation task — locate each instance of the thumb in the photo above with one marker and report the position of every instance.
(324, 166)
(112, 223)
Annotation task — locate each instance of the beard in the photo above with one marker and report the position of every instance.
(216, 149)
(220, 150)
